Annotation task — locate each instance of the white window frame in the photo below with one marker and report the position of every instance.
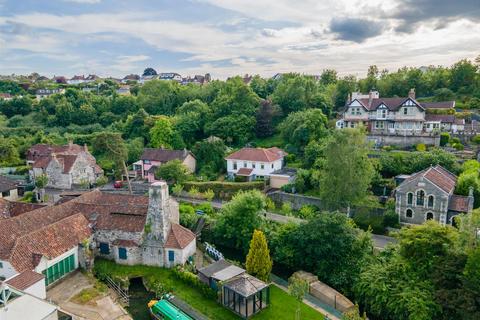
(413, 213)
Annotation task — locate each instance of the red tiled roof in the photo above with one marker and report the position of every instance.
(10, 209)
(179, 237)
(447, 118)
(164, 155)
(244, 172)
(25, 279)
(458, 203)
(257, 154)
(49, 241)
(439, 176)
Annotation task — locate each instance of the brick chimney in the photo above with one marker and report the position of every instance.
(411, 93)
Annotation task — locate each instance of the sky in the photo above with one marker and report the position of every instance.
(233, 37)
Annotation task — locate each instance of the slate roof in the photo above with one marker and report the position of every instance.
(164, 155)
(458, 203)
(446, 118)
(437, 175)
(246, 285)
(439, 105)
(257, 154)
(7, 184)
(25, 279)
(179, 237)
(394, 104)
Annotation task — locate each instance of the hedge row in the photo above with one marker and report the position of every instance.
(224, 190)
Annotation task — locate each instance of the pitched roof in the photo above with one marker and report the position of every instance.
(437, 175)
(10, 209)
(439, 105)
(25, 279)
(221, 270)
(257, 154)
(7, 184)
(246, 285)
(391, 103)
(458, 203)
(244, 172)
(446, 118)
(164, 155)
(49, 241)
(179, 237)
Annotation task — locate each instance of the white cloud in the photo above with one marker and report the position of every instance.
(84, 1)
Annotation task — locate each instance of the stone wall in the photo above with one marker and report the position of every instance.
(295, 200)
(403, 141)
(82, 170)
(56, 177)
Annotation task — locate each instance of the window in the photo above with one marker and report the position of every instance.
(262, 166)
(405, 111)
(420, 198)
(234, 166)
(409, 198)
(272, 165)
(353, 110)
(379, 124)
(429, 216)
(253, 165)
(430, 201)
(6, 194)
(1, 265)
(171, 255)
(409, 213)
(122, 253)
(382, 113)
(244, 164)
(104, 248)
(358, 111)
(146, 161)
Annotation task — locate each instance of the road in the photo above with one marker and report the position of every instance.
(379, 241)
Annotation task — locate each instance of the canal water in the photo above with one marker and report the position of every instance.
(139, 298)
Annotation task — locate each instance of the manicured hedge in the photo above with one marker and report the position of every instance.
(224, 190)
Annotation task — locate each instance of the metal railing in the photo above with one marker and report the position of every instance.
(122, 293)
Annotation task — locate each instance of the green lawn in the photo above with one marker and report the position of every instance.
(282, 305)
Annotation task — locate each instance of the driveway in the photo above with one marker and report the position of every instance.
(103, 308)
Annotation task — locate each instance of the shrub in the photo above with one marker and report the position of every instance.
(177, 189)
(458, 146)
(188, 218)
(287, 209)
(101, 181)
(390, 219)
(193, 192)
(289, 187)
(209, 194)
(476, 139)
(421, 147)
(223, 190)
(270, 205)
(206, 207)
(365, 220)
(444, 138)
(191, 279)
(307, 212)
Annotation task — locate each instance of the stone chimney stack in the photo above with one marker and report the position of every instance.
(411, 93)
(158, 213)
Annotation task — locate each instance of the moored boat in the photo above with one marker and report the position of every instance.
(165, 310)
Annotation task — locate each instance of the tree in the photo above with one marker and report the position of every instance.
(298, 288)
(233, 129)
(191, 119)
(9, 155)
(347, 172)
(258, 261)
(149, 72)
(343, 88)
(173, 172)
(161, 134)
(21, 106)
(210, 155)
(259, 86)
(159, 97)
(463, 75)
(265, 116)
(41, 182)
(239, 218)
(111, 146)
(327, 245)
(444, 94)
(299, 128)
(328, 76)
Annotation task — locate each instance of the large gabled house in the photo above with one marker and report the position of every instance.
(65, 166)
(430, 194)
(53, 241)
(396, 116)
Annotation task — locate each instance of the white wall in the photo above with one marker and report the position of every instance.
(38, 289)
(258, 171)
(7, 271)
(181, 255)
(45, 264)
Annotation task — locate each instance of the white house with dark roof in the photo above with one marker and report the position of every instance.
(396, 116)
(429, 194)
(255, 162)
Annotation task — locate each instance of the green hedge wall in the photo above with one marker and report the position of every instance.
(224, 190)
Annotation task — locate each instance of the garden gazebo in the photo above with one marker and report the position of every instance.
(245, 295)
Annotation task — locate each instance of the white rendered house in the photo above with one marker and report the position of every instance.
(255, 162)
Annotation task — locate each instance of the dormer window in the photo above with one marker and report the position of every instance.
(382, 113)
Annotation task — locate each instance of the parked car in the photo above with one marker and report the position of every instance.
(118, 184)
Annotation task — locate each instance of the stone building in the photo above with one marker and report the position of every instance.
(65, 166)
(429, 194)
(129, 229)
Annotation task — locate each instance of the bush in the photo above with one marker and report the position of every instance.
(444, 138)
(223, 190)
(458, 146)
(289, 187)
(177, 189)
(390, 219)
(307, 212)
(287, 209)
(270, 205)
(421, 147)
(188, 217)
(476, 139)
(364, 220)
(191, 279)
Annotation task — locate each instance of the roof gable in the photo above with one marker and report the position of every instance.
(258, 154)
(438, 176)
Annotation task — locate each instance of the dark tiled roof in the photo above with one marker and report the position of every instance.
(458, 203)
(285, 172)
(164, 155)
(7, 184)
(392, 104)
(246, 285)
(25, 279)
(179, 237)
(257, 154)
(439, 105)
(447, 118)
